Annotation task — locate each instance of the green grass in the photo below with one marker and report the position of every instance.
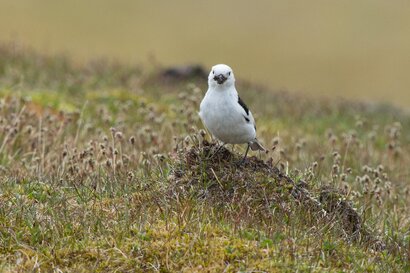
(104, 168)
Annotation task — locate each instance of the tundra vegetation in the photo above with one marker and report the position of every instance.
(106, 167)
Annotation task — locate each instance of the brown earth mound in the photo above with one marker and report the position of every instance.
(258, 190)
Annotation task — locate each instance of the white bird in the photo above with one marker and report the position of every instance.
(223, 112)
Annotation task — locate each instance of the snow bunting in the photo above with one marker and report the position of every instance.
(223, 112)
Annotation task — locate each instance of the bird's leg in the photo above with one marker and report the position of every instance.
(244, 157)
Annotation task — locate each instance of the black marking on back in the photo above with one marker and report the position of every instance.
(247, 120)
(241, 103)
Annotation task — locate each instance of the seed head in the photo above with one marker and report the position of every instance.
(282, 166)
(366, 169)
(119, 164)
(282, 152)
(377, 181)
(366, 178)
(130, 175)
(275, 141)
(202, 132)
(333, 140)
(28, 129)
(186, 140)
(108, 163)
(119, 135)
(91, 163)
(335, 168)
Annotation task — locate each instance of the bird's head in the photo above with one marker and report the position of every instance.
(221, 75)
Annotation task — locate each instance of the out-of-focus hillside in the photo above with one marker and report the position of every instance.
(354, 49)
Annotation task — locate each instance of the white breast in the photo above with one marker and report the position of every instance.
(224, 117)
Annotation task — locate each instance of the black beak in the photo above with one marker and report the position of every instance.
(220, 79)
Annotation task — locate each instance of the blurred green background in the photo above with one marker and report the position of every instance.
(353, 49)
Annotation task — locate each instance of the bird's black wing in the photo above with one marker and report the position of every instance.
(248, 117)
(241, 103)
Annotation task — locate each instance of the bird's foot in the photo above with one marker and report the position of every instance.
(244, 157)
(241, 162)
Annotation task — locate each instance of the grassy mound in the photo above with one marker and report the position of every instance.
(258, 193)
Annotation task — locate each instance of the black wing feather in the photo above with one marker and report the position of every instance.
(241, 103)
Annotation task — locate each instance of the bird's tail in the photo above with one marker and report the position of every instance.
(255, 145)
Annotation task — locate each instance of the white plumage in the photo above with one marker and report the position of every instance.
(224, 114)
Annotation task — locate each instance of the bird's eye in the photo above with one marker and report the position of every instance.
(229, 73)
(213, 72)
